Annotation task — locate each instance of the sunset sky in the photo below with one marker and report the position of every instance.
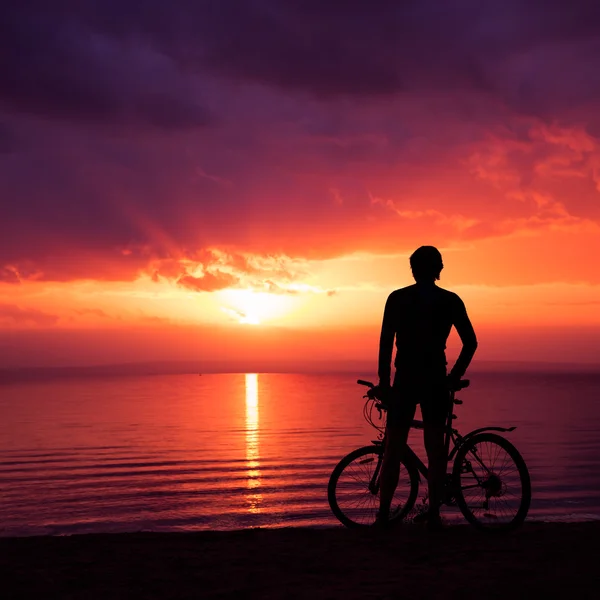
(245, 179)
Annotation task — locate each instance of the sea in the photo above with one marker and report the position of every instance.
(240, 450)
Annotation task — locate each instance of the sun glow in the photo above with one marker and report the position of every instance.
(253, 308)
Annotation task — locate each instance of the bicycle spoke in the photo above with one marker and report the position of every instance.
(354, 496)
(490, 483)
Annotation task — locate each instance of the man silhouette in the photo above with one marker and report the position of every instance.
(420, 317)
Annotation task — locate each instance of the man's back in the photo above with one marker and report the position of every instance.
(420, 317)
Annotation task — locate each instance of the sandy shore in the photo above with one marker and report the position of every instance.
(538, 561)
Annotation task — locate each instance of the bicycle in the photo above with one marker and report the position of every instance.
(479, 482)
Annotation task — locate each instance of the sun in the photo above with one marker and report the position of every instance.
(249, 319)
(255, 308)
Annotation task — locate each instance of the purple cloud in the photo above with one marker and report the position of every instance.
(53, 65)
(132, 132)
(138, 58)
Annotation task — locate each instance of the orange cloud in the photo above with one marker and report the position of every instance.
(220, 269)
(10, 314)
(209, 282)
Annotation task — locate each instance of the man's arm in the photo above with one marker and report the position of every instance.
(386, 344)
(469, 340)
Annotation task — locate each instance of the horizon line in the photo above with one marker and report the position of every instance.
(200, 367)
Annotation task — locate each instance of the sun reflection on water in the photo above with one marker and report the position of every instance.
(254, 497)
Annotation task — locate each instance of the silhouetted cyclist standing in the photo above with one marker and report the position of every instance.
(420, 317)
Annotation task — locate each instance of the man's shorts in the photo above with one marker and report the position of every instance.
(430, 392)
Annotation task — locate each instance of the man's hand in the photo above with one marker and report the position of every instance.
(453, 382)
(380, 392)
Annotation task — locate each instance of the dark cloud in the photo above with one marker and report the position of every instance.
(8, 139)
(137, 59)
(382, 47)
(52, 65)
(536, 56)
(349, 46)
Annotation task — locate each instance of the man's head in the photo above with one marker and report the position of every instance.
(426, 263)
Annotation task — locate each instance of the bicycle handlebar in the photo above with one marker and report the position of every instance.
(460, 385)
(367, 383)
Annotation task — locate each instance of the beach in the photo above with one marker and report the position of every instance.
(540, 560)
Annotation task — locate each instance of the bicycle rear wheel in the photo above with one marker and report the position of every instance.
(353, 490)
(493, 488)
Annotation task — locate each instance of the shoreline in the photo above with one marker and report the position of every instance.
(548, 560)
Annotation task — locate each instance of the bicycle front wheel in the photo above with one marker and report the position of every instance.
(353, 490)
(493, 488)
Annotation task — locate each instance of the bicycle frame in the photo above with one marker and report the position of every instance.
(451, 435)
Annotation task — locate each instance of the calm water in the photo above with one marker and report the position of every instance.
(181, 452)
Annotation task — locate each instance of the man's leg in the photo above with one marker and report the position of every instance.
(434, 407)
(433, 435)
(400, 418)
